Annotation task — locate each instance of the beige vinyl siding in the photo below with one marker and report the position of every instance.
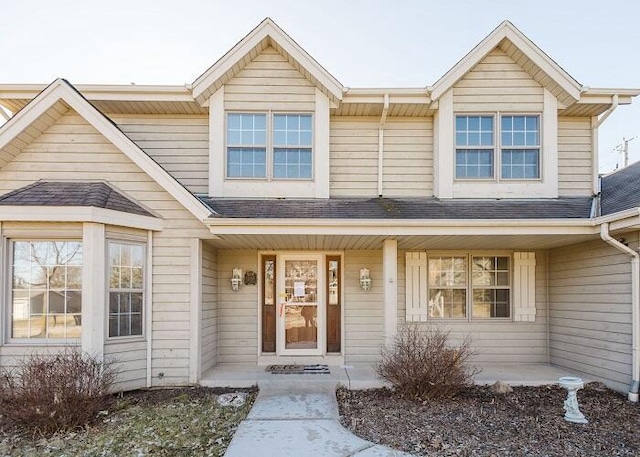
(497, 83)
(575, 156)
(363, 311)
(590, 320)
(497, 342)
(180, 144)
(209, 332)
(79, 152)
(237, 311)
(269, 82)
(130, 358)
(353, 157)
(408, 157)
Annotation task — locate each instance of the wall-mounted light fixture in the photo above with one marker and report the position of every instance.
(365, 279)
(236, 279)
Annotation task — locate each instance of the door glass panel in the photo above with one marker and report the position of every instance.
(333, 282)
(301, 308)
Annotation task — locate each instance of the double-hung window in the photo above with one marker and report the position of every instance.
(519, 145)
(126, 288)
(460, 285)
(46, 291)
(269, 146)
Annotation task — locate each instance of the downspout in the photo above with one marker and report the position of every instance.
(596, 122)
(4, 114)
(635, 308)
(383, 119)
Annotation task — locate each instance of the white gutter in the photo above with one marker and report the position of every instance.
(635, 308)
(596, 122)
(383, 119)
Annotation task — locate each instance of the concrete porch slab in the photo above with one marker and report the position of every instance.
(362, 376)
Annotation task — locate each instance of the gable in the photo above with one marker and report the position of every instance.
(497, 83)
(269, 82)
(266, 34)
(74, 150)
(60, 91)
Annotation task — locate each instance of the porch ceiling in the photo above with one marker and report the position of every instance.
(374, 242)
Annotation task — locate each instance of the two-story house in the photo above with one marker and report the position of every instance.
(268, 214)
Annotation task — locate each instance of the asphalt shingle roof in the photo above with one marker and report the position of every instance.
(620, 190)
(405, 208)
(51, 193)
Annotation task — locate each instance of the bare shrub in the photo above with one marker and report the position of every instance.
(48, 393)
(422, 364)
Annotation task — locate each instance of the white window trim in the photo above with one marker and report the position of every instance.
(8, 243)
(219, 187)
(270, 146)
(126, 338)
(446, 186)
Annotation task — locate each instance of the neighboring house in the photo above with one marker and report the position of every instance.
(266, 213)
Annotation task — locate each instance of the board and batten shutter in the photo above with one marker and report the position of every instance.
(417, 304)
(524, 286)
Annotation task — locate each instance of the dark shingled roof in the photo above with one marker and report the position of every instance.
(405, 208)
(98, 194)
(620, 190)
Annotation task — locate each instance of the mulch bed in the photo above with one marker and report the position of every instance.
(527, 422)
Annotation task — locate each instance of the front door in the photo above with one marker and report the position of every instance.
(301, 290)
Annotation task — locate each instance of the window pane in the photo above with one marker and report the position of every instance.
(520, 163)
(246, 129)
(292, 163)
(246, 162)
(447, 303)
(474, 163)
(46, 292)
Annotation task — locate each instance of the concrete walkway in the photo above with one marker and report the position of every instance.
(299, 419)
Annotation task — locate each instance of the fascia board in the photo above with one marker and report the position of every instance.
(79, 214)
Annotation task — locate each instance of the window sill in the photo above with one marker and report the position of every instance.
(126, 339)
(43, 343)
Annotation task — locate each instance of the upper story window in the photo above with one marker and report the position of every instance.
(46, 291)
(519, 156)
(269, 146)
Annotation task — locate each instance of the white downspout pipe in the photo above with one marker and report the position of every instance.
(596, 122)
(383, 119)
(635, 308)
(4, 114)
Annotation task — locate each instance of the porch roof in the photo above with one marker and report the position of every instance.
(400, 208)
(64, 193)
(621, 190)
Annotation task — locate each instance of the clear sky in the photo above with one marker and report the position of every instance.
(363, 43)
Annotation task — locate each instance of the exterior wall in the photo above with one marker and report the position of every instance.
(269, 82)
(72, 149)
(353, 157)
(209, 344)
(129, 356)
(498, 342)
(497, 83)
(180, 144)
(408, 157)
(363, 311)
(590, 320)
(237, 311)
(575, 156)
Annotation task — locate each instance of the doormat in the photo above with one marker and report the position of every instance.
(298, 369)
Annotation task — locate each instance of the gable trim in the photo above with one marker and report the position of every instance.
(63, 90)
(506, 30)
(267, 30)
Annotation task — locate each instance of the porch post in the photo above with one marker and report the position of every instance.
(195, 310)
(93, 288)
(390, 288)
